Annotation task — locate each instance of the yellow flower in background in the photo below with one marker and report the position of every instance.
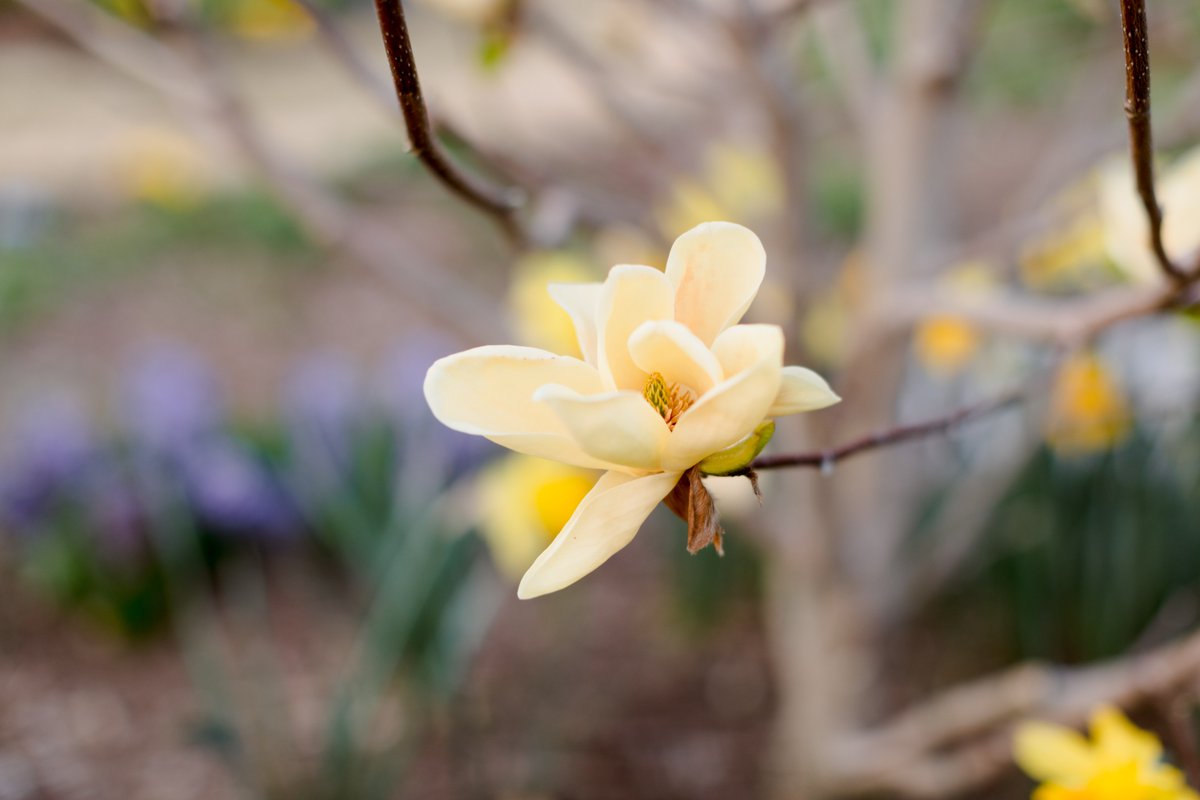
(162, 166)
(524, 503)
(132, 11)
(1068, 257)
(946, 344)
(1121, 762)
(1126, 234)
(269, 20)
(1088, 410)
(735, 183)
(668, 380)
(537, 319)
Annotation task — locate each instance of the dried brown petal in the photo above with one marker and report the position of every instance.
(692, 503)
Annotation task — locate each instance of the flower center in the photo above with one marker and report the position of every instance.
(670, 400)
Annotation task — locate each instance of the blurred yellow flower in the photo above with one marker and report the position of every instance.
(132, 11)
(736, 183)
(269, 20)
(537, 319)
(946, 344)
(162, 166)
(1065, 258)
(524, 503)
(1121, 762)
(1088, 411)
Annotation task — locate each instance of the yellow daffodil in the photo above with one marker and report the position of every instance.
(668, 379)
(524, 502)
(1088, 411)
(1126, 236)
(1121, 762)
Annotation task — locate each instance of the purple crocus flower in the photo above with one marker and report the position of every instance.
(170, 400)
(234, 493)
(52, 447)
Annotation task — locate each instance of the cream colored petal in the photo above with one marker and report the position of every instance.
(620, 428)
(1053, 753)
(606, 520)
(742, 346)
(488, 391)
(672, 350)
(716, 269)
(631, 295)
(581, 301)
(734, 407)
(801, 390)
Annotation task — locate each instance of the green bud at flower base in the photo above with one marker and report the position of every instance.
(737, 457)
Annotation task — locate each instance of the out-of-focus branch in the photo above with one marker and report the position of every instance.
(828, 457)
(501, 204)
(1064, 322)
(335, 42)
(120, 45)
(1137, 111)
(961, 739)
(209, 101)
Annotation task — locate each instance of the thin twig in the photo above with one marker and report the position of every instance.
(828, 457)
(1137, 112)
(499, 203)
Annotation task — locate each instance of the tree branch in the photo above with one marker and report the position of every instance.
(500, 204)
(827, 458)
(1137, 112)
(961, 739)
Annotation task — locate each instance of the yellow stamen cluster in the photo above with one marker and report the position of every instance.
(670, 400)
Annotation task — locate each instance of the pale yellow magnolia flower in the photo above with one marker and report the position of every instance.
(1088, 410)
(524, 502)
(1121, 762)
(668, 378)
(1126, 233)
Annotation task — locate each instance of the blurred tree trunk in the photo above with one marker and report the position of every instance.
(835, 540)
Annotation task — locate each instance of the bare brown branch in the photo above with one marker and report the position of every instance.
(501, 204)
(828, 457)
(1137, 112)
